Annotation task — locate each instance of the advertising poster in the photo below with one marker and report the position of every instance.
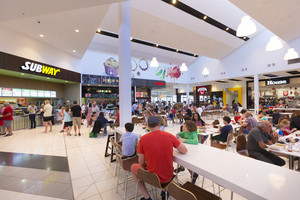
(6, 92)
(21, 101)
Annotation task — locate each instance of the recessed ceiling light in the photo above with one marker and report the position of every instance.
(74, 51)
(227, 29)
(157, 45)
(98, 30)
(131, 38)
(76, 30)
(244, 37)
(177, 50)
(205, 17)
(41, 35)
(66, 81)
(174, 1)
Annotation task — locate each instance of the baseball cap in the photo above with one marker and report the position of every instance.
(153, 120)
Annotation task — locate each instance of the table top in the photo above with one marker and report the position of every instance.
(285, 113)
(283, 148)
(250, 178)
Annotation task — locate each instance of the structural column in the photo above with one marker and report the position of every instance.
(256, 94)
(125, 63)
(187, 89)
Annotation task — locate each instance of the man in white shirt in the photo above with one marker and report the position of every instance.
(199, 110)
(95, 108)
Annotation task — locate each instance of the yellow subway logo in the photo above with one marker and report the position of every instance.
(34, 67)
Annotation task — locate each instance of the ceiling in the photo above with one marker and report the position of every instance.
(154, 21)
(280, 17)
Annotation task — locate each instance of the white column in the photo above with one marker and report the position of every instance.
(256, 94)
(125, 63)
(187, 89)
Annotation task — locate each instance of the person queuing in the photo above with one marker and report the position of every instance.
(155, 152)
(62, 115)
(32, 109)
(68, 120)
(76, 117)
(258, 139)
(83, 116)
(47, 116)
(7, 117)
(2, 108)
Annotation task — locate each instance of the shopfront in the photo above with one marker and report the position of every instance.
(276, 91)
(203, 94)
(23, 81)
(106, 89)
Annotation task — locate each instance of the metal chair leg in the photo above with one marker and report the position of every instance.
(231, 195)
(136, 189)
(126, 182)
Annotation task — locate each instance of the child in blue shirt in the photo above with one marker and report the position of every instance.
(128, 141)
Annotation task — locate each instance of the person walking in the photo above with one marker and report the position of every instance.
(68, 120)
(32, 109)
(76, 116)
(1, 121)
(47, 116)
(7, 116)
(83, 107)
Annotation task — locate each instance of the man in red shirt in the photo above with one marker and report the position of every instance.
(156, 149)
(7, 117)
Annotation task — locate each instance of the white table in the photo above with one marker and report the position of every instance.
(284, 151)
(250, 178)
(289, 114)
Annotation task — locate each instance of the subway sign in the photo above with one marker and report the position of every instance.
(282, 81)
(38, 68)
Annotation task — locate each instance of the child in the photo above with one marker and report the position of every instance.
(237, 117)
(162, 123)
(284, 126)
(128, 141)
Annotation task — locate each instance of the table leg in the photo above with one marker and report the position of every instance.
(291, 162)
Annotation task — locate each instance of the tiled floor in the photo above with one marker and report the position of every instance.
(92, 175)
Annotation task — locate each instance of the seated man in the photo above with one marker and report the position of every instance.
(155, 151)
(224, 130)
(249, 123)
(258, 138)
(128, 141)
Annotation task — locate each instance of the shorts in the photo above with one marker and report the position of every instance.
(7, 123)
(68, 124)
(47, 119)
(76, 121)
(135, 167)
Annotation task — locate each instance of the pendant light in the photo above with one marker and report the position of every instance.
(274, 43)
(291, 54)
(183, 67)
(205, 71)
(154, 62)
(246, 27)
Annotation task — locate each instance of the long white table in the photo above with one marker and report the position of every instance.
(245, 176)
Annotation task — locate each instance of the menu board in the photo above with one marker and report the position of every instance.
(53, 94)
(33, 93)
(25, 93)
(17, 92)
(41, 93)
(47, 94)
(6, 92)
(0, 92)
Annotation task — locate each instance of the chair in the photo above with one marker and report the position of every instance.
(190, 191)
(241, 130)
(224, 146)
(241, 145)
(135, 120)
(125, 164)
(179, 117)
(151, 179)
(215, 123)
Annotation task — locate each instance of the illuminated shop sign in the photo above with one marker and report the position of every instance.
(35, 67)
(202, 90)
(16, 92)
(278, 81)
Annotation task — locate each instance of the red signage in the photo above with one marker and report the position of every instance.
(202, 90)
(159, 83)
